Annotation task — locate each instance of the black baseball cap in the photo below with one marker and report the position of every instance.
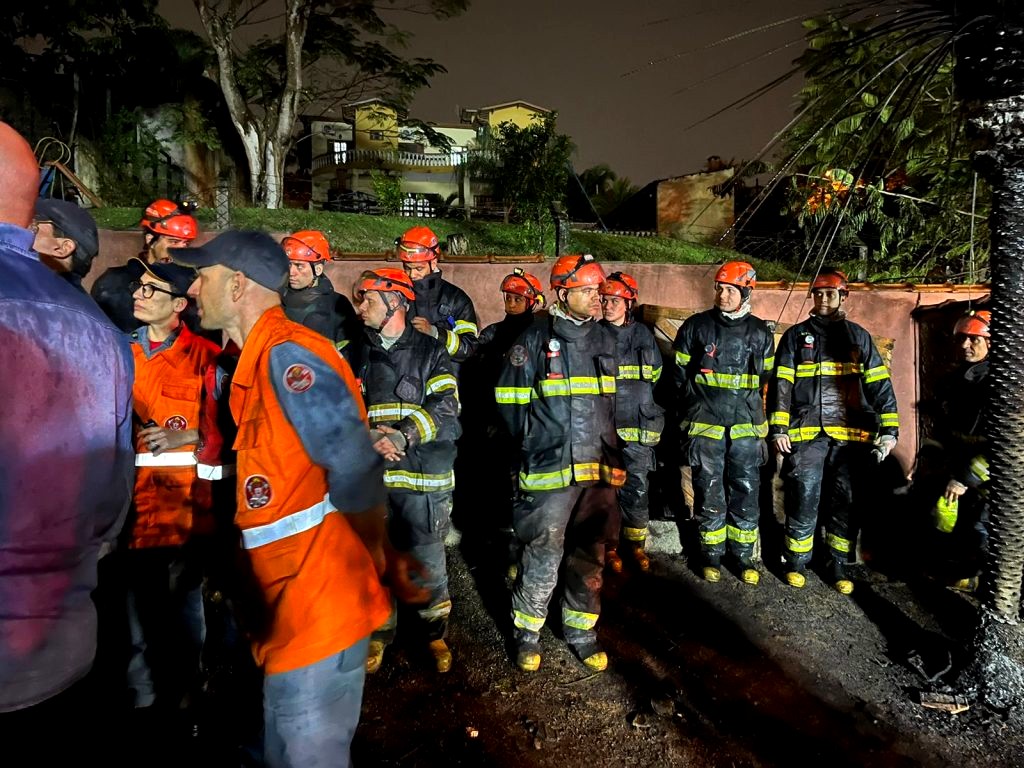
(74, 222)
(177, 276)
(255, 254)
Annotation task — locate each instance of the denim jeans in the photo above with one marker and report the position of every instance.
(310, 714)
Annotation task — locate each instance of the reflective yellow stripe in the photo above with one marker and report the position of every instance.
(464, 326)
(710, 538)
(341, 344)
(513, 395)
(749, 430)
(779, 419)
(979, 468)
(577, 385)
(800, 545)
(697, 429)
(798, 434)
(838, 543)
(827, 368)
(728, 380)
(527, 622)
(769, 363)
(890, 420)
(607, 385)
(578, 619)
(682, 359)
(562, 478)
(391, 412)
(629, 372)
(441, 383)
(636, 435)
(416, 481)
(451, 342)
(651, 373)
(436, 612)
(634, 534)
(876, 374)
(740, 536)
(785, 372)
(850, 434)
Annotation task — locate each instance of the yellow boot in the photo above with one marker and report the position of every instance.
(613, 561)
(374, 656)
(442, 656)
(643, 562)
(712, 574)
(528, 658)
(796, 579)
(844, 586)
(751, 576)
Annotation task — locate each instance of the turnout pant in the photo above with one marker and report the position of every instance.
(726, 482)
(561, 531)
(823, 473)
(418, 524)
(633, 497)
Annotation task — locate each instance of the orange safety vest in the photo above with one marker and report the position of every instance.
(317, 577)
(172, 502)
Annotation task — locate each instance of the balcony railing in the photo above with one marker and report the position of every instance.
(391, 158)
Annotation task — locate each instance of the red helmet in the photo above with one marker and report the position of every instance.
(308, 245)
(576, 272)
(738, 273)
(165, 217)
(622, 285)
(522, 283)
(974, 324)
(831, 278)
(384, 279)
(417, 244)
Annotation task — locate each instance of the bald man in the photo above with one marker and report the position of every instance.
(66, 468)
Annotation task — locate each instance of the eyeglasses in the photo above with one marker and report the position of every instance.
(148, 289)
(34, 227)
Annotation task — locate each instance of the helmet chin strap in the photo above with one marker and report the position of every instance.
(400, 304)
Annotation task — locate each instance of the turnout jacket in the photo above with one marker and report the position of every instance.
(556, 395)
(450, 310)
(320, 308)
(830, 378)
(722, 365)
(412, 388)
(960, 428)
(638, 418)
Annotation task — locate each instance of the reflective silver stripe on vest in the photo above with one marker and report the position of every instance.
(296, 522)
(165, 460)
(215, 471)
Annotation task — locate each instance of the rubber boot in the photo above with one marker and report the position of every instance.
(442, 656)
(612, 560)
(796, 579)
(640, 557)
(592, 656)
(528, 657)
(374, 656)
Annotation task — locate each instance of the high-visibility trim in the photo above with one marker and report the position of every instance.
(576, 386)
(650, 372)
(173, 459)
(513, 395)
(607, 385)
(682, 359)
(417, 481)
(562, 478)
(728, 380)
(979, 468)
(779, 419)
(876, 374)
(578, 619)
(639, 373)
(636, 435)
(769, 363)
(798, 434)
(215, 471)
(838, 543)
(527, 622)
(741, 536)
(629, 372)
(289, 525)
(391, 412)
(749, 430)
(698, 429)
(890, 420)
(451, 342)
(436, 612)
(800, 545)
(464, 326)
(827, 368)
(711, 538)
(442, 383)
(850, 434)
(785, 372)
(634, 534)
(340, 345)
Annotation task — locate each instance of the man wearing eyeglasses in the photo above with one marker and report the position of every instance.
(172, 512)
(441, 310)
(311, 299)
(65, 239)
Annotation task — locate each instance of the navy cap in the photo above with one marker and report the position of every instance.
(177, 276)
(255, 254)
(74, 222)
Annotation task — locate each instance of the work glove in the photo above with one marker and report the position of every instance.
(944, 514)
(883, 447)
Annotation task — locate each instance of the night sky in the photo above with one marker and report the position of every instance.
(575, 56)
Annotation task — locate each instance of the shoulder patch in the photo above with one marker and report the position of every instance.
(257, 491)
(517, 355)
(176, 423)
(298, 378)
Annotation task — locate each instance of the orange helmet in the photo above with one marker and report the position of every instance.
(417, 244)
(831, 278)
(738, 273)
(974, 324)
(522, 283)
(165, 217)
(384, 279)
(308, 245)
(576, 272)
(622, 285)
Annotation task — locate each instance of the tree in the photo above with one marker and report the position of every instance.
(605, 189)
(528, 167)
(329, 51)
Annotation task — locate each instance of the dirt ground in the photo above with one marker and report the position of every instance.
(700, 675)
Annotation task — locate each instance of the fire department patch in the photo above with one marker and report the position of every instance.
(298, 378)
(517, 355)
(257, 491)
(176, 423)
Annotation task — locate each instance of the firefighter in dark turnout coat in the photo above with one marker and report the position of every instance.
(556, 395)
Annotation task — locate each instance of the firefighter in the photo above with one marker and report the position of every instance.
(833, 416)
(638, 418)
(165, 225)
(441, 310)
(413, 406)
(556, 395)
(311, 299)
(173, 495)
(962, 509)
(724, 359)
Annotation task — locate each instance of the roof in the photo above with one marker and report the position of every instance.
(493, 107)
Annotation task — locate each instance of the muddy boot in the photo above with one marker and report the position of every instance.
(442, 656)
(748, 573)
(592, 655)
(842, 583)
(612, 561)
(969, 584)
(796, 578)
(374, 656)
(640, 557)
(528, 656)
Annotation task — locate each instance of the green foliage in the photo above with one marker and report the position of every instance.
(388, 191)
(879, 118)
(605, 188)
(126, 150)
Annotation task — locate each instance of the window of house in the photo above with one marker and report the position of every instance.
(339, 152)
